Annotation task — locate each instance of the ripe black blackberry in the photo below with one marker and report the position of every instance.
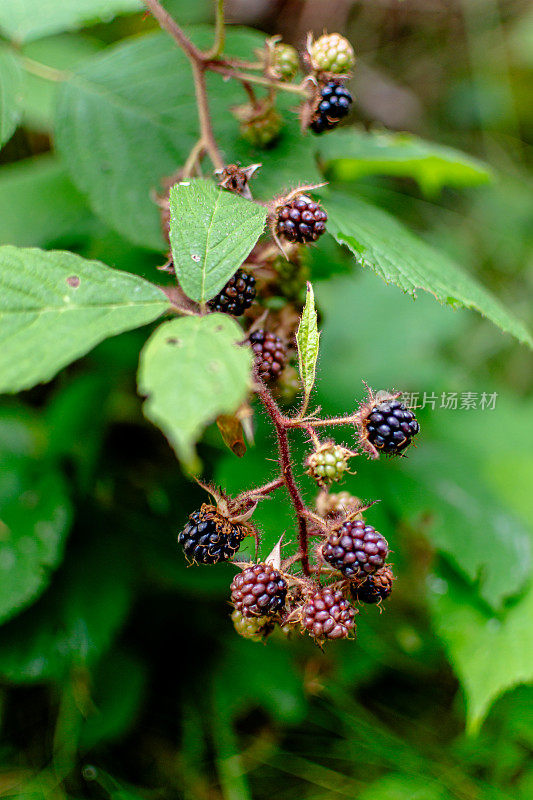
(334, 104)
(328, 615)
(301, 220)
(236, 296)
(355, 549)
(258, 590)
(209, 537)
(390, 426)
(270, 354)
(376, 587)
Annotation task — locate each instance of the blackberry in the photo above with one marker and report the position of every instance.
(376, 587)
(270, 354)
(332, 53)
(236, 296)
(328, 615)
(285, 62)
(334, 104)
(255, 628)
(208, 537)
(301, 220)
(390, 426)
(355, 549)
(259, 590)
(328, 463)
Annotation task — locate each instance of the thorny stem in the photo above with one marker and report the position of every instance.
(286, 470)
(349, 419)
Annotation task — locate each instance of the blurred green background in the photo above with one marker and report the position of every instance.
(121, 675)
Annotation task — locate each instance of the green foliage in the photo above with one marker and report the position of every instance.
(192, 370)
(141, 94)
(50, 321)
(379, 241)
(355, 154)
(211, 233)
(308, 341)
(23, 20)
(10, 90)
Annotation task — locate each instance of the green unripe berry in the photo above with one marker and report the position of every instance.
(262, 130)
(328, 463)
(254, 628)
(285, 61)
(332, 53)
(288, 386)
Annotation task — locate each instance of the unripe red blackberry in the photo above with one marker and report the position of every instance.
(376, 587)
(254, 628)
(355, 549)
(328, 463)
(270, 354)
(209, 537)
(332, 53)
(236, 296)
(301, 220)
(328, 615)
(262, 129)
(258, 591)
(285, 63)
(333, 105)
(390, 426)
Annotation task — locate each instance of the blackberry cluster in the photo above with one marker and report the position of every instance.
(376, 587)
(208, 537)
(301, 220)
(332, 53)
(355, 549)
(390, 426)
(328, 615)
(270, 354)
(236, 296)
(334, 105)
(258, 591)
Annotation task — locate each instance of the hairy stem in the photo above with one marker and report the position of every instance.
(171, 26)
(206, 129)
(220, 32)
(226, 68)
(286, 470)
(298, 422)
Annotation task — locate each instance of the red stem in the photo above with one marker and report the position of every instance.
(286, 470)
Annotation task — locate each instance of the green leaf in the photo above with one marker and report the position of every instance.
(23, 20)
(39, 205)
(466, 521)
(127, 119)
(355, 154)
(35, 517)
(490, 654)
(62, 53)
(192, 370)
(56, 306)
(10, 94)
(211, 233)
(308, 339)
(398, 256)
(74, 622)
